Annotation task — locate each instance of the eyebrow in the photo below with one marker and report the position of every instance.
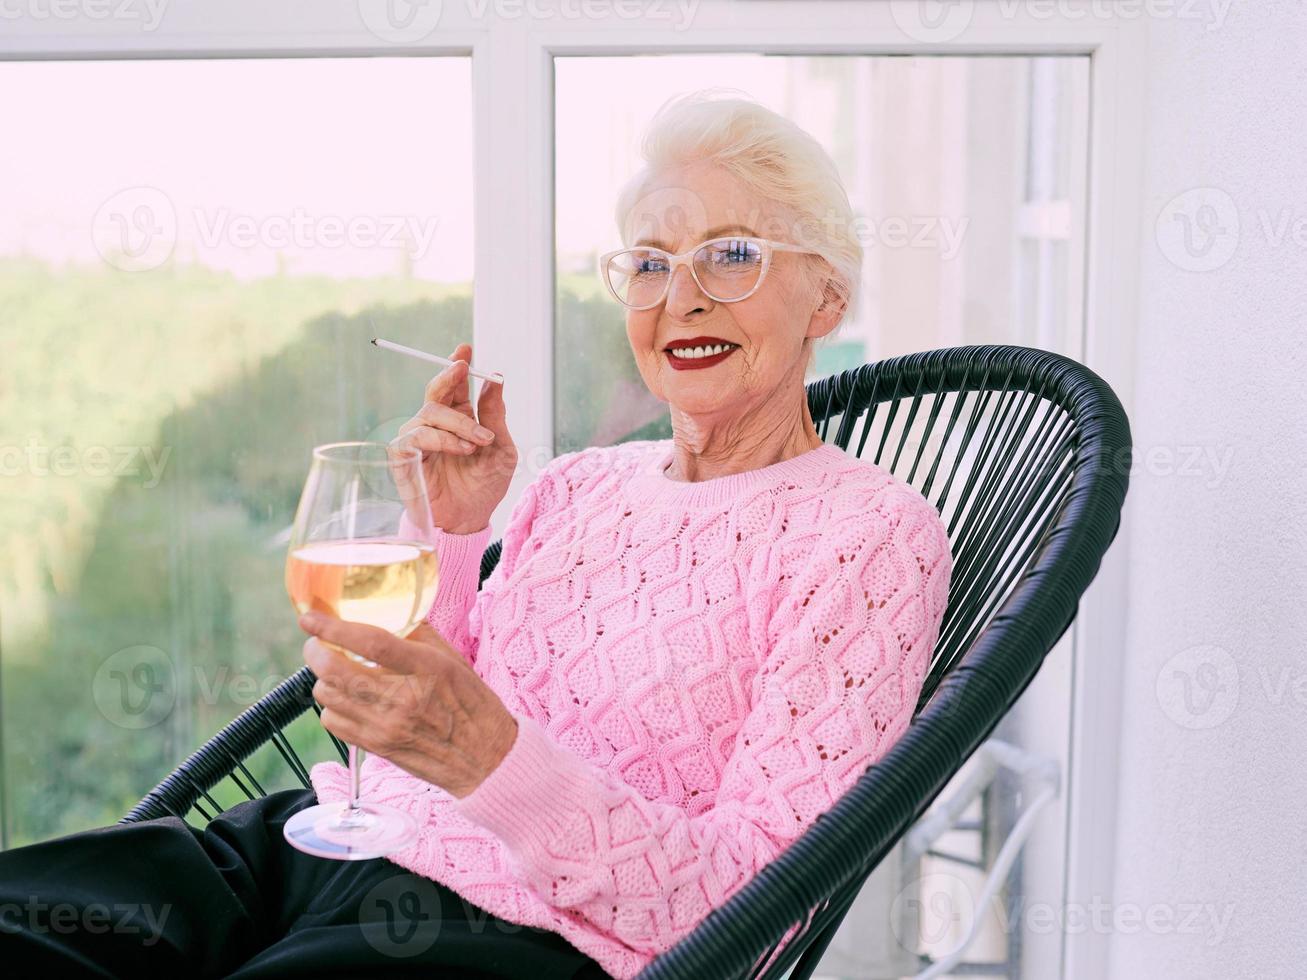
(710, 234)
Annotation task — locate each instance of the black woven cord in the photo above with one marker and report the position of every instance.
(844, 844)
(218, 757)
(1057, 501)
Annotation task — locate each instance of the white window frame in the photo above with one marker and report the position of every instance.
(512, 62)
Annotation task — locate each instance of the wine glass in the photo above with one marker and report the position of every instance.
(359, 550)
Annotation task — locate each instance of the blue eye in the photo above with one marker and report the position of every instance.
(641, 262)
(735, 253)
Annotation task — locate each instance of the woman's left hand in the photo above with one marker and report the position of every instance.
(422, 707)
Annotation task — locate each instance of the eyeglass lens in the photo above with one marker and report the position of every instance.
(726, 270)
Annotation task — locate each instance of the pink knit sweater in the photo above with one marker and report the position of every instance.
(697, 671)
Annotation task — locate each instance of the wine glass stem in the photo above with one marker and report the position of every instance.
(352, 813)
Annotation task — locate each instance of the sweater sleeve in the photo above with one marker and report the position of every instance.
(849, 646)
(460, 561)
(460, 573)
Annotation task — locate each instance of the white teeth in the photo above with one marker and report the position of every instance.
(693, 352)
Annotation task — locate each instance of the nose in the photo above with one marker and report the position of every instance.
(684, 295)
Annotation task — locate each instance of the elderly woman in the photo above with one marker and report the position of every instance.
(689, 649)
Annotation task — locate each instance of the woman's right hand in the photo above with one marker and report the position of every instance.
(468, 459)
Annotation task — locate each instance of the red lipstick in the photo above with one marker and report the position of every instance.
(694, 363)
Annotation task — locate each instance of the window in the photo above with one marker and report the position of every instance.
(157, 380)
(959, 169)
(191, 264)
(966, 175)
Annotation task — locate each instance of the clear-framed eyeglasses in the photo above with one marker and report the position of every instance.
(727, 270)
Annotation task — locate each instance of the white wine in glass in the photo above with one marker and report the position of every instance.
(359, 550)
(374, 582)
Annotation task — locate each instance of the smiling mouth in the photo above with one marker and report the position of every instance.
(694, 353)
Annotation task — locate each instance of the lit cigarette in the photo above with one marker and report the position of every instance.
(422, 355)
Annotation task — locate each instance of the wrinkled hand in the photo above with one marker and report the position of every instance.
(422, 707)
(468, 458)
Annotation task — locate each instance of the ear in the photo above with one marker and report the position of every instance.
(830, 311)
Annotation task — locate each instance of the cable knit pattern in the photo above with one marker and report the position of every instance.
(697, 671)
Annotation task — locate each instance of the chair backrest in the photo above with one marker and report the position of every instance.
(1025, 453)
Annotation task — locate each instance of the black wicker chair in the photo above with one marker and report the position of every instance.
(1025, 453)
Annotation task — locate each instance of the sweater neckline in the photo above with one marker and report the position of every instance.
(652, 483)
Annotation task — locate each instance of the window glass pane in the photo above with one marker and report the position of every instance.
(958, 170)
(966, 176)
(192, 255)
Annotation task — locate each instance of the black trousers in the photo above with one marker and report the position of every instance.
(160, 898)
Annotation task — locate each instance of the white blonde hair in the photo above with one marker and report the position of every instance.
(769, 154)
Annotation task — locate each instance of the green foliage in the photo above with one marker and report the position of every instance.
(225, 385)
(228, 385)
(593, 366)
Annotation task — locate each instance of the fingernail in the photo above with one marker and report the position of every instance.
(464, 445)
(310, 619)
(482, 432)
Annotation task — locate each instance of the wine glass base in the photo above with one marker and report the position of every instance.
(375, 831)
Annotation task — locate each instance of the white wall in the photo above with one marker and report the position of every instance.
(1212, 789)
